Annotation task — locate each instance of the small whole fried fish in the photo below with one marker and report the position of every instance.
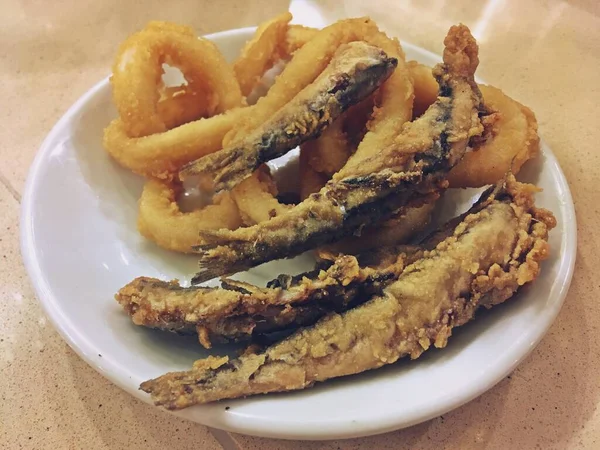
(487, 258)
(237, 310)
(355, 71)
(372, 185)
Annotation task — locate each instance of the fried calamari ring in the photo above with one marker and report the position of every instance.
(256, 199)
(305, 66)
(325, 155)
(137, 74)
(260, 53)
(297, 36)
(514, 141)
(161, 155)
(393, 108)
(179, 105)
(329, 152)
(143, 100)
(311, 181)
(357, 118)
(161, 220)
(426, 87)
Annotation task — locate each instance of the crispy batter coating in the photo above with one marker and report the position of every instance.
(355, 71)
(397, 230)
(238, 310)
(305, 66)
(371, 187)
(511, 140)
(161, 220)
(260, 53)
(487, 258)
(137, 71)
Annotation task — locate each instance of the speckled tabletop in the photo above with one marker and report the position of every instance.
(544, 53)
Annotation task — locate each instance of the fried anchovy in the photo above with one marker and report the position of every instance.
(488, 257)
(239, 310)
(355, 71)
(404, 174)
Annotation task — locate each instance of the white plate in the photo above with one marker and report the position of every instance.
(80, 245)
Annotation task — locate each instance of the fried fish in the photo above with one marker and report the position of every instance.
(488, 257)
(237, 310)
(372, 185)
(355, 71)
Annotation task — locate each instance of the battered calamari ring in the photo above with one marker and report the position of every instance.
(426, 87)
(161, 220)
(329, 152)
(137, 74)
(261, 52)
(393, 107)
(297, 36)
(394, 100)
(256, 199)
(179, 105)
(161, 155)
(311, 181)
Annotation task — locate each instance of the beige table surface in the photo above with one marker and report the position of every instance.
(544, 53)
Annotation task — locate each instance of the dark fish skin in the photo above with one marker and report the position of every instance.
(355, 71)
(239, 311)
(488, 257)
(409, 172)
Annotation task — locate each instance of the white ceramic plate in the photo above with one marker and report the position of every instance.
(80, 245)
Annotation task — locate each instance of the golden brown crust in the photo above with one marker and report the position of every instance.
(161, 220)
(261, 52)
(487, 258)
(512, 141)
(238, 310)
(355, 71)
(370, 187)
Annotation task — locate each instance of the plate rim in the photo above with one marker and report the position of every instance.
(247, 424)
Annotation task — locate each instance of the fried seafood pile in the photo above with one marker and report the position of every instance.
(380, 140)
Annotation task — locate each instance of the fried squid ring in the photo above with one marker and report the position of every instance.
(161, 220)
(261, 52)
(161, 155)
(256, 199)
(179, 105)
(311, 181)
(297, 36)
(329, 152)
(324, 157)
(146, 107)
(137, 74)
(426, 88)
(393, 108)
